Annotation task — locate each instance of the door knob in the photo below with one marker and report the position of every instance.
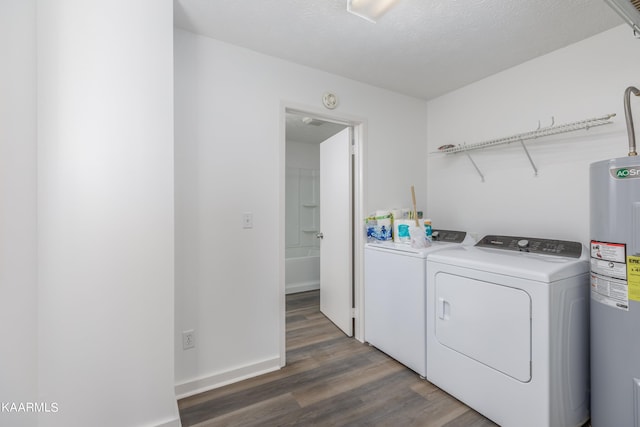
(319, 235)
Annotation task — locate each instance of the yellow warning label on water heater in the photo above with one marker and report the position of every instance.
(633, 277)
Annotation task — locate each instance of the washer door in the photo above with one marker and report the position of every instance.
(486, 322)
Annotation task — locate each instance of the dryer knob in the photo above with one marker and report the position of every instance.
(523, 244)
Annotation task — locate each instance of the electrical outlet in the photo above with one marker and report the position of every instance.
(188, 339)
(247, 220)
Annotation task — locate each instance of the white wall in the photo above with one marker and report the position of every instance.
(105, 212)
(581, 81)
(18, 317)
(229, 160)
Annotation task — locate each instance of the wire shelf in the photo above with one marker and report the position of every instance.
(540, 132)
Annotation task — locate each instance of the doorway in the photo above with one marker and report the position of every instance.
(303, 132)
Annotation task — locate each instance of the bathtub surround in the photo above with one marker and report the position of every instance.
(302, 214)
(302, 269)
(302, 217)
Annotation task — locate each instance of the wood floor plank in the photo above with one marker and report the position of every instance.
(262, 413)
(378, 405)
(322, 332)
(346, 382)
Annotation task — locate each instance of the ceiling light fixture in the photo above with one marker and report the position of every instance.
(371, 10)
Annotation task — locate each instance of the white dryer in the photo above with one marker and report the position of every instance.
(507, 329)
(394, 296)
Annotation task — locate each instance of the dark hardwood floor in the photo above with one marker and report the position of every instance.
(329, 380)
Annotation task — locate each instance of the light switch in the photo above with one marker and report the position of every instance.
(247, 220)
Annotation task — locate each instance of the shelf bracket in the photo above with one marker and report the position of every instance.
(533, 165)
(475, 166)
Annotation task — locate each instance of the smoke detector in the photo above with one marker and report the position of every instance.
(330, 100)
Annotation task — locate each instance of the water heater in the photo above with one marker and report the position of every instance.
(615, 287)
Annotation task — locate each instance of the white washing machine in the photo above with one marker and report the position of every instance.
(394, 296)
(507, 329)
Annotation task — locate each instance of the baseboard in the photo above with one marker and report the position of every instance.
(294, 288)
(171, 423)
(200, 385)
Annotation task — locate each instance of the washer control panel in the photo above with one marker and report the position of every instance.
(448, 236)
(533, 245)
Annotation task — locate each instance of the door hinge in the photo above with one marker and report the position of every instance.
(354, 313)
(353, 150)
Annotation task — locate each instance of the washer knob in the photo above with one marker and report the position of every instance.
(523, 244)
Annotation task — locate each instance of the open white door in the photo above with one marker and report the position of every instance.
(336, 289)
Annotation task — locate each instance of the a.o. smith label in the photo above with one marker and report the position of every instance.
(629, 172)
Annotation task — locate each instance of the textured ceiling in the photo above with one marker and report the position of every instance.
(422, 48)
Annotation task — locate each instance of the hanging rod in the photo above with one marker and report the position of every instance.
(538, 133)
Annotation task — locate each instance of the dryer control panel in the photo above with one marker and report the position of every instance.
(534, 245)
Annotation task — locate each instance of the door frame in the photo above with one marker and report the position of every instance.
(359, 126)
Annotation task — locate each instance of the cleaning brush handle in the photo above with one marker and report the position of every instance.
(413, 199)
